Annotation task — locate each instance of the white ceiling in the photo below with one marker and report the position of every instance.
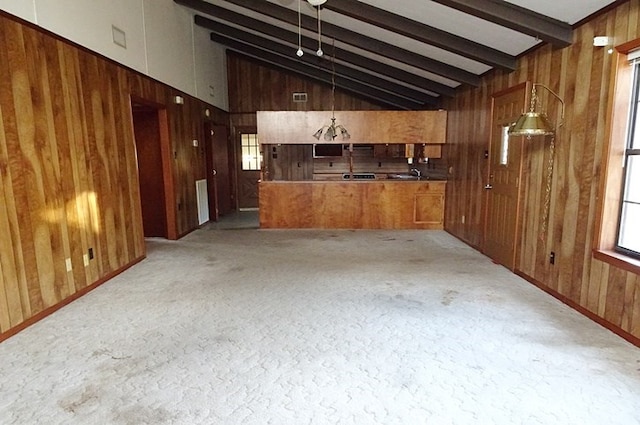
(432, 14)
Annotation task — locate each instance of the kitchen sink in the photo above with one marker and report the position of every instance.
(408, 176)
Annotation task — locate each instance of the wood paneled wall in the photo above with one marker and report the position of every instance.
(257, 87)
(580, 74)
(68, 170)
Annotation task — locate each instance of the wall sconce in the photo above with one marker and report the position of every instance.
(178, 100)
(534, 123)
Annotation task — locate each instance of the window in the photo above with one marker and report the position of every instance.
(504, 146)
(629, 223)
(618, 234)
(251, 157)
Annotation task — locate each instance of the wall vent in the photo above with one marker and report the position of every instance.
(299, 97)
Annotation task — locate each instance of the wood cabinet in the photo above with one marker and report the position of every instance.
(365, 127)
(380, 204)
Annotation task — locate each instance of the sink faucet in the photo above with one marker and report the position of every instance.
(415, 170)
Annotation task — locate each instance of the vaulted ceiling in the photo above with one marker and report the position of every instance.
(404, 54)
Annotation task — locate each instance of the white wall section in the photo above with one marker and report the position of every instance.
(90, 25)
(161, 39)
(24, 9)
(170, 44)
(211, 69)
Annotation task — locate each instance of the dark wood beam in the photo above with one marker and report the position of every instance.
(347, 36)
(316, 62)
(421, 32)
(559, 34)
(318, 74)
(354, 59)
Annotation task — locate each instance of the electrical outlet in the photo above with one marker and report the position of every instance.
(90, 253)
(463, 219)
(68, 264)
(552, 258)
(85, 260)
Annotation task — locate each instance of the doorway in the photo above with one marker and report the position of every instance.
(150, 127)
(218, 170)
(249, 165)
(502, 207)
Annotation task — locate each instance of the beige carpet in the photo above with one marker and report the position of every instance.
(251, 327)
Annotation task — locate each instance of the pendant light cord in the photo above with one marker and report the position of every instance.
(319, 52)
(547, 191)
(299, 52)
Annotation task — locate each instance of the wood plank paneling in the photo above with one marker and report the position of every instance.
(379, 204)
(581, 75)
(68, 169)
(382, 127)
(257, 87)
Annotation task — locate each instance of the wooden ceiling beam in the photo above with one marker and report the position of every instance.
(346, 56)
(421, 32)
(558, 33)
(320, 75)
(349, 37)
(315, 61)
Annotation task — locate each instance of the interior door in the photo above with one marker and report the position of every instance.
(218, 171)
(504, 176)
(249, 164)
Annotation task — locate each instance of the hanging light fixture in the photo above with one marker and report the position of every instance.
(534, 123)
(316, 4)
(332, 129)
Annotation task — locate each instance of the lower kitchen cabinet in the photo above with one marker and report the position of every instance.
(379, 204)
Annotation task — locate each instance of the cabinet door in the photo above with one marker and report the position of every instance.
(428, 208)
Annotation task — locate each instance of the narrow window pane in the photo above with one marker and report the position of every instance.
(635, 142)
(504, 146)
(632, 187)
(251, 159)
(630, 227)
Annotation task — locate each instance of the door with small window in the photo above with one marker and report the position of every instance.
(250, 162)
(504, 176)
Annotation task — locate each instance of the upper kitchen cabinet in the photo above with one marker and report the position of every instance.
(367, 127)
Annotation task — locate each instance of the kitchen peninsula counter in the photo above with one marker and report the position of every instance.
(369, 204)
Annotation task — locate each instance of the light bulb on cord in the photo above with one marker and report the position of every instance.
(299, 53)
(316, 2)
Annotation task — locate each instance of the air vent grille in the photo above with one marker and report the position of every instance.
(299, 97)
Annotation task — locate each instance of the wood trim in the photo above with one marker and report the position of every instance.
(44, 313)
(610, 189)
(625, 48)
(617, 259)
(593, 316)
(167, 175)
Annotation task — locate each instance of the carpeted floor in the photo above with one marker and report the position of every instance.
(234, 325)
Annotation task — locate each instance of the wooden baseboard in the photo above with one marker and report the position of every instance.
(44, 313)
(580, 309)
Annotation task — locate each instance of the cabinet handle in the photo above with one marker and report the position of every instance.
(488, 186)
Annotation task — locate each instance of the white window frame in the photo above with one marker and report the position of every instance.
(628, 237)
